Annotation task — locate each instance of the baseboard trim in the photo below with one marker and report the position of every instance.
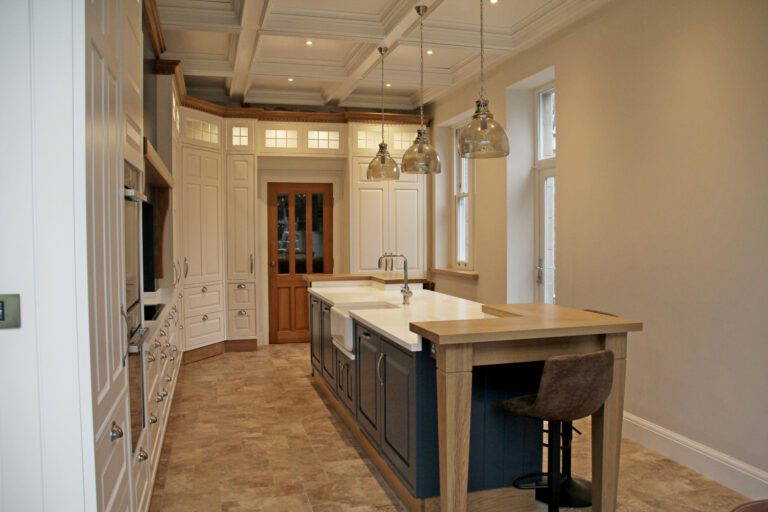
(216, 349)
(744, 478)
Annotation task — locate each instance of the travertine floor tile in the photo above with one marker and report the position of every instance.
(249, 433)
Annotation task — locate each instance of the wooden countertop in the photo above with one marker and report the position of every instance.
(523, 321)
(384, 278)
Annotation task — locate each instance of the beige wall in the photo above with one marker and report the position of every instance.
(662, 203)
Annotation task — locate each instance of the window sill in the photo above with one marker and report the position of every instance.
(462, 274)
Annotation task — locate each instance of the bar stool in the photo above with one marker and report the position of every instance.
(753, 506)
(571, 388)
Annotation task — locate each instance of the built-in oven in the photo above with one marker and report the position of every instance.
(134, 195)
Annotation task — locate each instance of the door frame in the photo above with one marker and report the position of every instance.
(292, 189)
(331, 171)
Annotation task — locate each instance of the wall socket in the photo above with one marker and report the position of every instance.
(10, 311)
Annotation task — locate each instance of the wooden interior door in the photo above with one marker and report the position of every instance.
(300, 220)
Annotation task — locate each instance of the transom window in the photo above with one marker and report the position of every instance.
(319, 139)
(281, 138)
(368, 139)
(239, 135)
(203, 130)
(404, 140)
(547, 128)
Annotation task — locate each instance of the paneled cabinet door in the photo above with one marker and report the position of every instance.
(315, 333)
(241, 217)
(133, 82)
(407, 226)
(328, 350)
(368, 383)
(202, 218)
(398, 405)
(370, 236)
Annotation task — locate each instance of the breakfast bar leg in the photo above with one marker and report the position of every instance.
(606, 432)
(454, 407)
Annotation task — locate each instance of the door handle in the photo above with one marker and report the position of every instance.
(271, 263)
(186, 267)
(252, 264)
(378, 368)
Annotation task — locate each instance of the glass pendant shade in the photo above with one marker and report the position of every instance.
(421, 157)
(483, 137)
(383, 167)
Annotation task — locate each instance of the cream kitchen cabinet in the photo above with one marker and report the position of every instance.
(202, 217)
(386, 216)
(241, 217)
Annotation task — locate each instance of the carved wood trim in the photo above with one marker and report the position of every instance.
(152, 19)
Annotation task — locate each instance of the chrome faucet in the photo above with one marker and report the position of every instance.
(389, 261)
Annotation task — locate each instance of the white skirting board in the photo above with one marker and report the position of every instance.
(724, 469)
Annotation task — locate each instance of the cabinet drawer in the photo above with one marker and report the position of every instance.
(241, 295)
(203, 299)
(242, 323)
(345, 380)
(204, 329)
(112, 456)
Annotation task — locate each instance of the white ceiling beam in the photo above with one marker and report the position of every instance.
(463, 36)
(251, 20)
(284, 96)
(202, 67)
(299, 68)
(401, 19)
(197, 16)
(320, 24)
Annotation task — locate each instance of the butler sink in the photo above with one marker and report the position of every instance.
(342, 330)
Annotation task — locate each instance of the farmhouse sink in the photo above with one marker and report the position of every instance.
(342, 330)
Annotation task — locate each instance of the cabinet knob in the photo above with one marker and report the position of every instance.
(172, 358)
(115, 432)
(163, 356)
(162, 332)
(155, 344)
(159, 398)
(142, 455)
(167, 344)
(204, 289)
(168, 378)
(152, 419)
(150, 358)
(164, 393)
(205, 318)
(242, 312)
(241, 286)
(167, 323)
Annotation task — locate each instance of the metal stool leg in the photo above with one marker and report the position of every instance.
(574, 492)
(553, 467)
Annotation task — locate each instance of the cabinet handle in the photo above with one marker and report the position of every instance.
(152, 419)
(168, 378)
(159, 398)
(167, 344)
(162, 332)
(252, 264)
(365, 336)
(204, 289)
(115, 432)
(242, 312)
(241, 286)
(173, 358)
(205, 318)
(186, 267)
(164, 393)
(150, 358)
(142, 455)
(163, 356)
(156, 344)
(378, 368)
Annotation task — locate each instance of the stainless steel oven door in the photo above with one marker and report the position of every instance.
(132, 253)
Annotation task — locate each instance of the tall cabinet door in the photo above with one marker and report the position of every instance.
(368, 224)
(407, 225)
(368, 383)
(241, 217)
(202, 219)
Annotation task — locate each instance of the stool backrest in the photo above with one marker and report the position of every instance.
(573, 387)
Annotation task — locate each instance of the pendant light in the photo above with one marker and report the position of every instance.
(383, 167)
(421, 157)
(483, 137)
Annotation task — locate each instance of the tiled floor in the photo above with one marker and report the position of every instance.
(239, 440)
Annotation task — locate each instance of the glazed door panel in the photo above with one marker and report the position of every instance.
(300, 223)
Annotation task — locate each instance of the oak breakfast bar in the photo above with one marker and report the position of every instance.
(523, 333)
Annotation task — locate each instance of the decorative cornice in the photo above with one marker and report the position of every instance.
(172, 67)
(152, 20)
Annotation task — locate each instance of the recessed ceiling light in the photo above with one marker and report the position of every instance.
(430, 52)
(290, 79)
(494, 1)
(389, 85)
(309, 43)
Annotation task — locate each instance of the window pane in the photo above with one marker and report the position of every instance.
(462, 242)
(283, 234)
(549, 240)
(300, 219)
(317, 234)
(547, 127)
(463, 185)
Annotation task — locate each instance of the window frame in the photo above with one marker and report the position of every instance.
(543, 169)
(458, 194)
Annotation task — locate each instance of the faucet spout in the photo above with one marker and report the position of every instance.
(405, 290)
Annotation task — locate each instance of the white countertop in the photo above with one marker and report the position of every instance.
(394, 324)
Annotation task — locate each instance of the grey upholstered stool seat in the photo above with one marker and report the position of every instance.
(754, 506)
(571, 388)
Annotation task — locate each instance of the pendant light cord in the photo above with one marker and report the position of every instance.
(421, 81)
(382, 50)
(482, 51)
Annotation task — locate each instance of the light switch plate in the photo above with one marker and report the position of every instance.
(10, 311)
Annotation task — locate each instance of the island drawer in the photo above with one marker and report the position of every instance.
(345, 380)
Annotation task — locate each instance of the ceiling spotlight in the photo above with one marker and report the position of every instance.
(430, 52)
(310, 43)
(494, 1)
(389, 85)
(290, 79)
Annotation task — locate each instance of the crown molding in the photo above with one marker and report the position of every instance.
(152, 20)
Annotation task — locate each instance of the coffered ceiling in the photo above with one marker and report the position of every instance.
(259, 51)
